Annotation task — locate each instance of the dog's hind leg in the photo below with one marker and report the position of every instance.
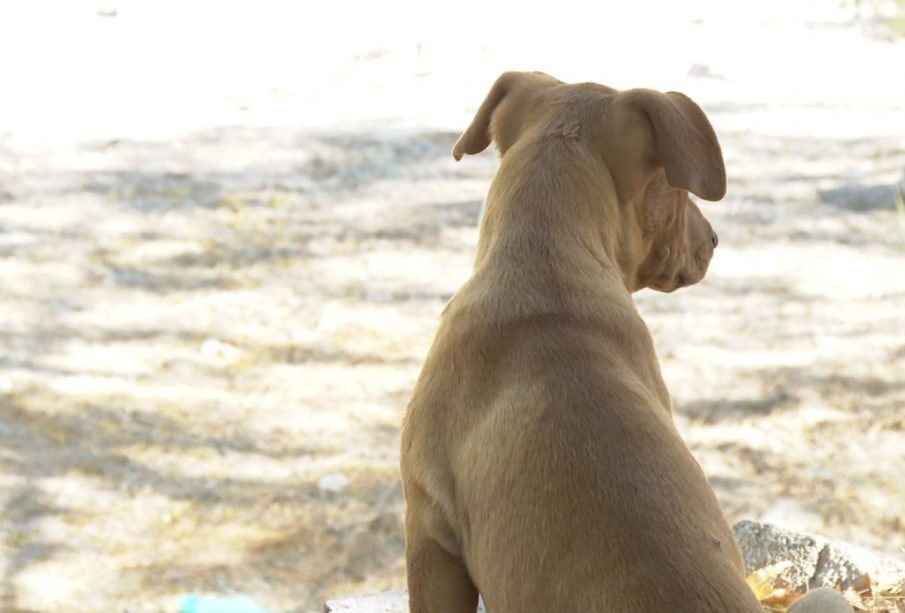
(438, 581)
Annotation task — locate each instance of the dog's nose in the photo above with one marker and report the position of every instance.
(714, 239)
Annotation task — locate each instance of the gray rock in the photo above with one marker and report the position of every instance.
(765, 544)
(822, 600)
(816, 561)
(861, 198)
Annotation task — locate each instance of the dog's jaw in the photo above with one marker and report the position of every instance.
(681, 242)
(690, 270)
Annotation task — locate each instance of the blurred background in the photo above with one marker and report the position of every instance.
(227, 230)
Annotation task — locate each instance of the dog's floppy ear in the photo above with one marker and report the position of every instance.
(504, 125)
(477, 136)
(684, 142)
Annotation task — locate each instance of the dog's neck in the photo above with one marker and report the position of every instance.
(552, 224)
(549, 249)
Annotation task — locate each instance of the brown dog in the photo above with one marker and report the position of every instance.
(539, 457)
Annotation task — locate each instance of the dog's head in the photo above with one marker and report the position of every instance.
(656, 148)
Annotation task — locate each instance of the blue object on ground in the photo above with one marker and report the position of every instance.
(219, 604)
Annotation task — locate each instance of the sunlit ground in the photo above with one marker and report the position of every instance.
(226, 233)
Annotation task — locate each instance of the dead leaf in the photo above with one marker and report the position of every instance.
(781, 597)
(763, 581)
(854, 599)
(862, 586)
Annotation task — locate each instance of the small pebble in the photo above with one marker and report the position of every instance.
(335, 482)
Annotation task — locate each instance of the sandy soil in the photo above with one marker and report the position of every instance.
(211, 318)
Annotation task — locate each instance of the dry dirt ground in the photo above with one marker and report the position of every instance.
(207, 339)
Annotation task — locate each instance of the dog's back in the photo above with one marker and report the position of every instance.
(564, 493)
